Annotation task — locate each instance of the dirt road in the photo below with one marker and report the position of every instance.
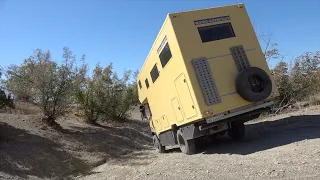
(282, 147)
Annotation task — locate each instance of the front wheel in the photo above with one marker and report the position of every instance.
(158, 145)
(237, 130)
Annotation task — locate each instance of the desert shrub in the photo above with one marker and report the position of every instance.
(88, 98)
(314, 99)
(299, 83)
(46, 83)
(105, 96)
(20, 87)
(5, 100)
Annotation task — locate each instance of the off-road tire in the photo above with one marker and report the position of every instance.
(237, 130)
(186, 146)
(245, 87)
(158, 145)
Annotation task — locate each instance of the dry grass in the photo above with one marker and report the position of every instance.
(24, 108)
(315, 99)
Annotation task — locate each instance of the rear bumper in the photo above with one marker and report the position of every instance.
(222, 121)
(215, 124)
(236, 112)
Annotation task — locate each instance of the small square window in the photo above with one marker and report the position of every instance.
(165, 55)
(140, 85)
(147, 83)
(154, 73)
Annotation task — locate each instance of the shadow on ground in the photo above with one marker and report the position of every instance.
(113, 141)
(61, 154)
(24, 154)
(269, 134)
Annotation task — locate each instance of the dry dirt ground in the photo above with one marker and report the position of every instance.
(30, 150)
(280, 147)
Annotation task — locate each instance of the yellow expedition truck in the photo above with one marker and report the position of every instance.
(205, 75)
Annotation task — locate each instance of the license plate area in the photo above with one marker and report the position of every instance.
(214, 118)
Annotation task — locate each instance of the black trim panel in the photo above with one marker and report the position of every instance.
(167, 138)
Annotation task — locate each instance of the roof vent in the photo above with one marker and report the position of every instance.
(240, 5)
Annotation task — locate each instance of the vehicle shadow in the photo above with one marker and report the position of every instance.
(268, 134)
(24, 154)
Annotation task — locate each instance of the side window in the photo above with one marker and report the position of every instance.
(154, 73)
(216, 32)
(147, 83)
(140, 85)
(165, 55)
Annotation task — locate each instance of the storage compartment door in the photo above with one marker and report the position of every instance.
(183, 91)
(164, 121)
(177, 109)
(157, 125)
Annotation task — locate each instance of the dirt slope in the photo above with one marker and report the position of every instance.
(282, 147)
(29, 150)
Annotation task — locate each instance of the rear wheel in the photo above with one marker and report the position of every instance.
(158, 145)
(186, 146)
(237, 130)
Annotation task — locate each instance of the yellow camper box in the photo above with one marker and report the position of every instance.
(205, 75)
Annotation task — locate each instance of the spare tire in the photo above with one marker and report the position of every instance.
(253, 84)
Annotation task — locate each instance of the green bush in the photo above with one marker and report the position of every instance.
(105, 96)
(299, 83)
(5, 101)
(46, 83)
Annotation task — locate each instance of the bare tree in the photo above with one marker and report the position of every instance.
(270, 49)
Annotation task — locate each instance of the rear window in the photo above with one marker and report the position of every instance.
(154, 73)
(216, 32)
